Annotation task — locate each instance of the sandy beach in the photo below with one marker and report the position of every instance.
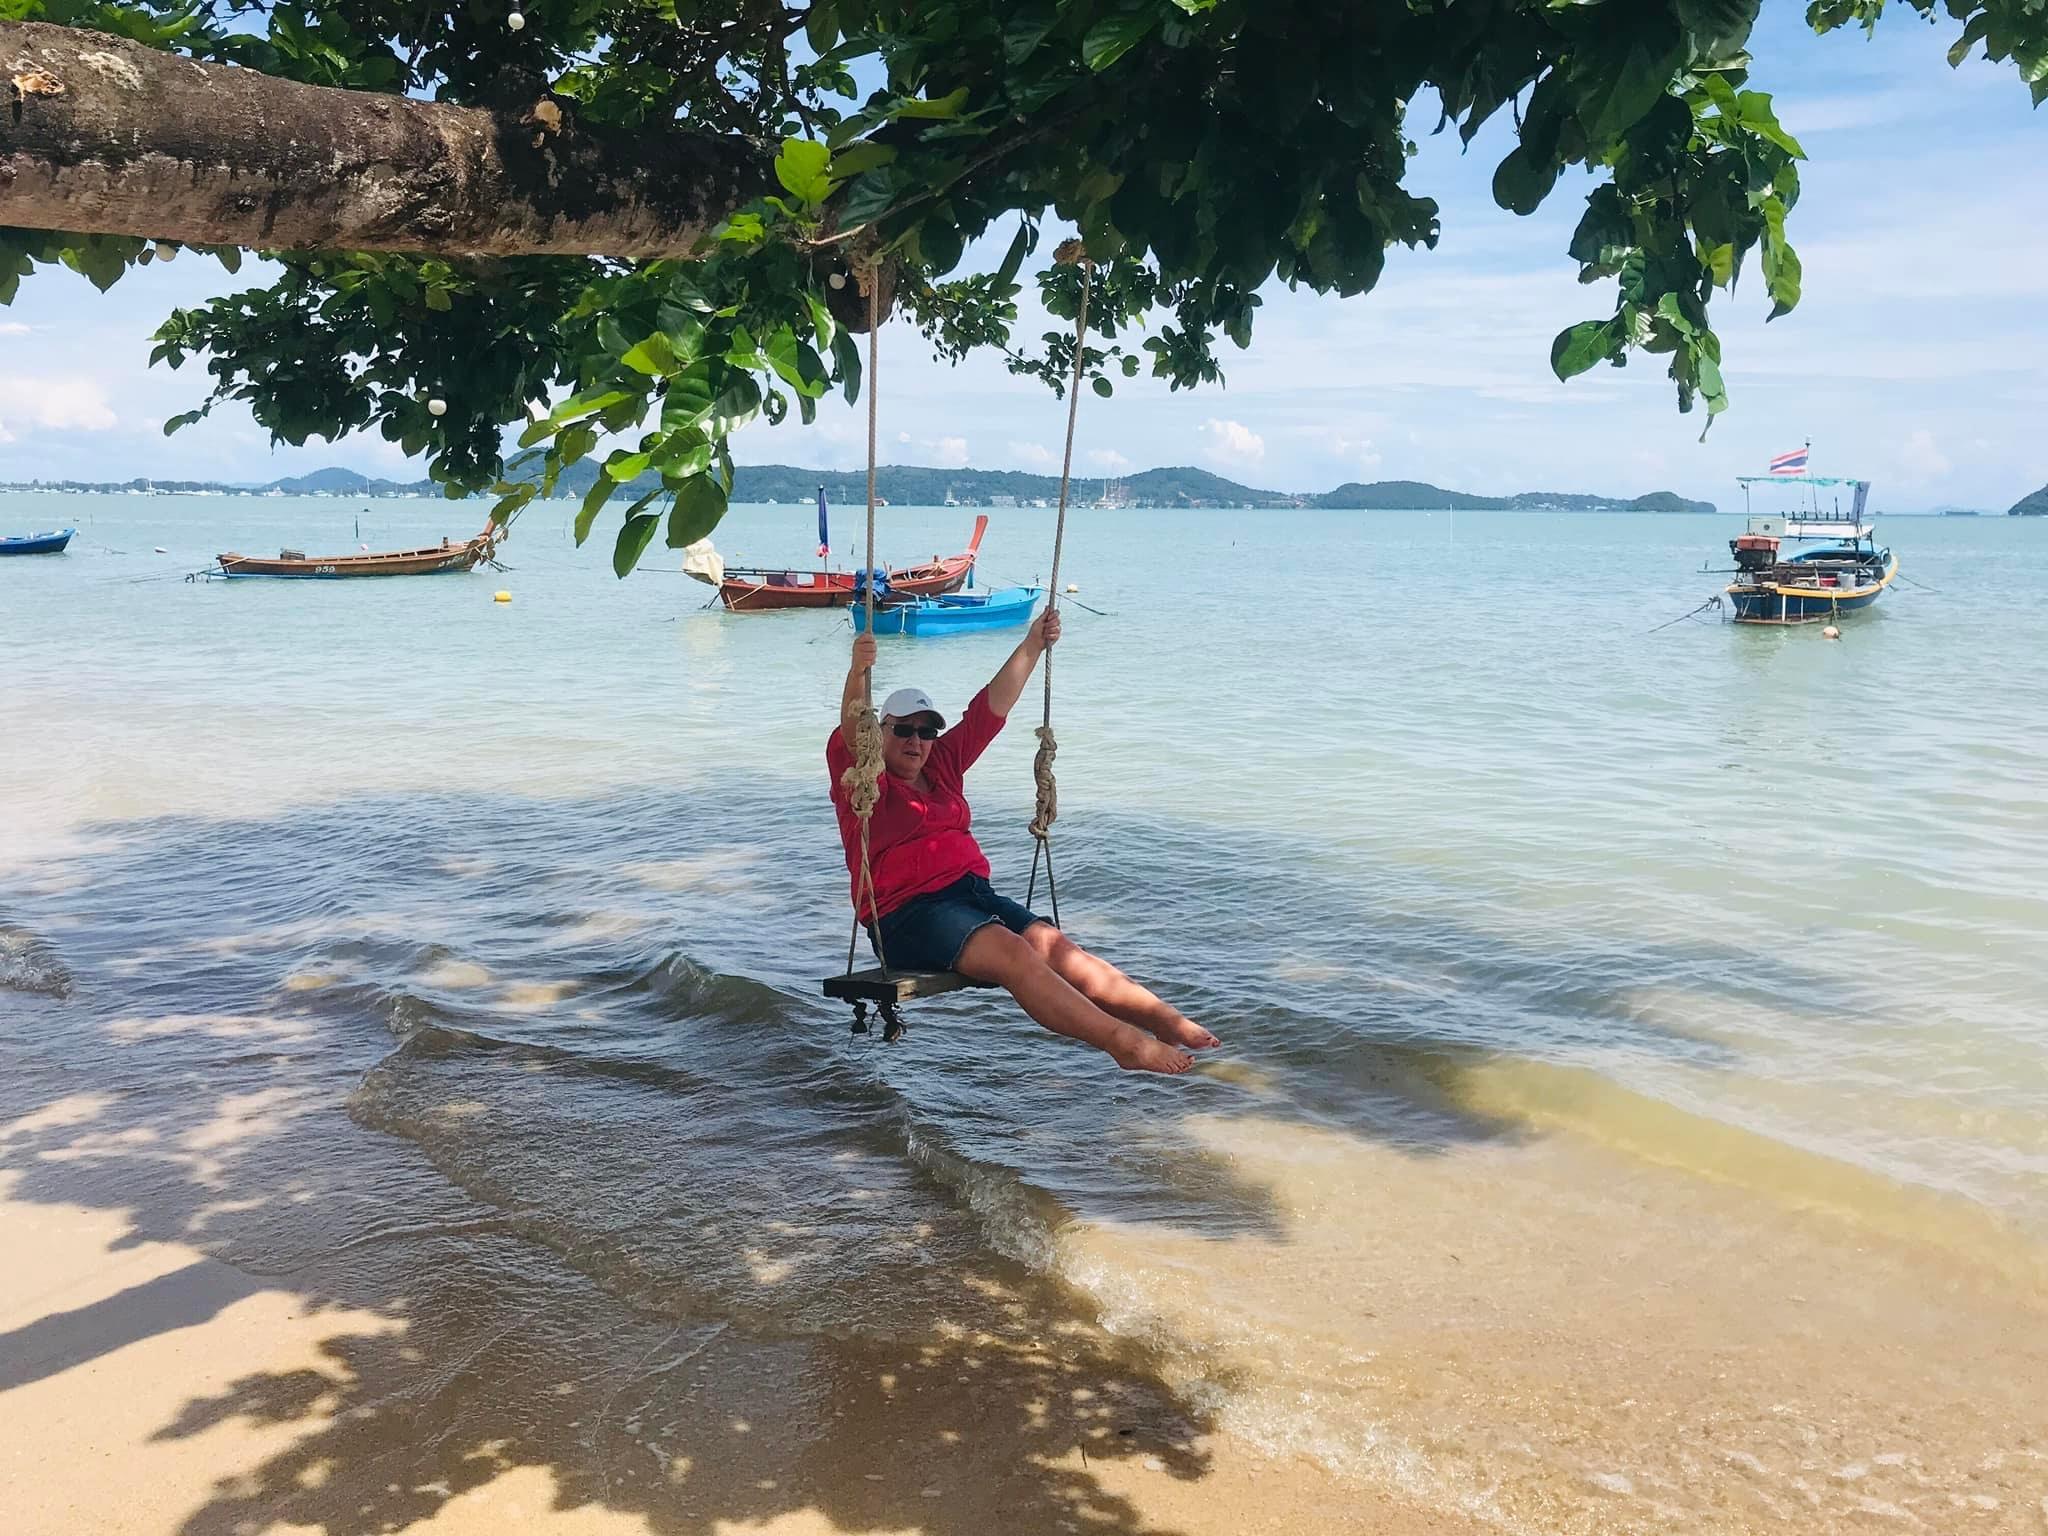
(146, 1389)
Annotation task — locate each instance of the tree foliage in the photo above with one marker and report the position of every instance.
(1202, 148)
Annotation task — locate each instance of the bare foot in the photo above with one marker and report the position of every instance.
(1182, 1030)
(1142, 1055)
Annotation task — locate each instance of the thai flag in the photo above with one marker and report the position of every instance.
(824, 538)
(1793, 463)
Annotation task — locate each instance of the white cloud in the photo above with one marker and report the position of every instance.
(902, 437)
(1109, 459)
(1032, 453)
(951, 452)
(56, 404)
(5, 435)
(1232, 442)
(1360, 452)
(1921, 458)
(12, 328)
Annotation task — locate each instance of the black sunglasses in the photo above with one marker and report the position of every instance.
(906, 731)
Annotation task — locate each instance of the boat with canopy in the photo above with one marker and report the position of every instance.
(1845, 571)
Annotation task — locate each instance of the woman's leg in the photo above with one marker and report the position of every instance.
(1114, 992)
(993, 953)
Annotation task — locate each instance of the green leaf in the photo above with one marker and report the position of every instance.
(1013, 261)
(576, 407)
(594, 499)
(1522, 181)
(515, 498)
(846, 358)
(438, 300)
(855, 159)
(1581, 346)
(627, 467)
(700, 504)
(743, 229)
(738, 405)
(653, 355)
(822, 323)
(1973, 34)
(1026, 30)
(803, 168)
(1783, 282)
(610, 337)
(1103, 387)
(1718, 28)
(1754, 111)
(230, 257)
(681, 455)
(576, 443)
(870, 195)
(821, 26)
(689, 398)
(634, 536)
(1617, 74)
(1117, 33)
(946, 106)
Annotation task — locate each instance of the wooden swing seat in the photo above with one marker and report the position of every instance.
(879, 984)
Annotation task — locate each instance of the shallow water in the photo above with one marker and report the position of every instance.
(1636, 1081)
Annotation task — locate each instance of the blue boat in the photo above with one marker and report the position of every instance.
(1845, 573)
(38, 543)
(956, 613)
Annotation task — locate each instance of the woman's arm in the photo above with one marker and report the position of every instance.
(1007, 686)
(855, 693)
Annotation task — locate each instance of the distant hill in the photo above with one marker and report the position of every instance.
(2035, 505)
(1414, 495)
(918, 485)
(346, 482)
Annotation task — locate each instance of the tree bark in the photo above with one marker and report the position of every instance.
(100, 135)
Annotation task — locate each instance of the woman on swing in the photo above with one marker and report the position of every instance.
(932, 902)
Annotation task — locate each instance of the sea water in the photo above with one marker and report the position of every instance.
(1634, 1101)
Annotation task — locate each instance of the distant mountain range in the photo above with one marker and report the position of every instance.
(915, 485)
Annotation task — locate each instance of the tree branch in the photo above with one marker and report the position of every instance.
(112, 137)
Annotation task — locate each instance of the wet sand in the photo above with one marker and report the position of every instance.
(146, 1388)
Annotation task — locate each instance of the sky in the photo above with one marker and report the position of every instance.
(1914, 358)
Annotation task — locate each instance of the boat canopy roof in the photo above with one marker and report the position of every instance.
(1799, 480)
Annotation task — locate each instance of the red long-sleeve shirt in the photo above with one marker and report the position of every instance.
(918, 839)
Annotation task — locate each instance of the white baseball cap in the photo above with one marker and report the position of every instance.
(905, 702)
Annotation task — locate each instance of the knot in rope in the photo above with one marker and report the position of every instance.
(1048, 786)
(863, 781)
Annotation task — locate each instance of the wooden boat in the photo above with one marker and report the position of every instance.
(752, 590)
(1846, 573)
(431, 561)
(38, 543)
(958, 614)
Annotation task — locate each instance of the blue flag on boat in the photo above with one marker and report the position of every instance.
(824, 538)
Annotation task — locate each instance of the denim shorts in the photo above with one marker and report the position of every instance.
(928, 932)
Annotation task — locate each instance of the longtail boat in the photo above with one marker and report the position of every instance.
(752, 589)
(431, 561)
(1846, 574)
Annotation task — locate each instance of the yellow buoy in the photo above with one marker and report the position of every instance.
(501, 597)
(1073, 586)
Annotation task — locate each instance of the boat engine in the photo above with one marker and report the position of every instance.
(1754, 552)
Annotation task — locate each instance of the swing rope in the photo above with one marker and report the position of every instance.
(863, 780)
(1048, 811)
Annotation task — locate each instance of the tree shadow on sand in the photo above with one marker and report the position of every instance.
(562, 1103)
